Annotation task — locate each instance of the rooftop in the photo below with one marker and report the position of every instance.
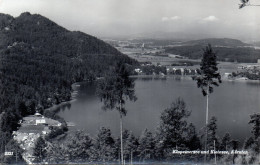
(31, 120)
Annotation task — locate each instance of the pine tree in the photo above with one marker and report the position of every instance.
(79, 145)
(255, 121)
(212, 134)
(130, 145)
(113, 91)
(225, 145)
(40, 149)
(212, 139)
(58, 153)
(249, 143)
(172, 130)
(192, 139)
(253, 143)
(146, 146)
(208, 77)
(103, 148)
(225, 142)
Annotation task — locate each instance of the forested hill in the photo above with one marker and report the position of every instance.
(231, 50)
(221, 42)
(41, 33)
(39, 62)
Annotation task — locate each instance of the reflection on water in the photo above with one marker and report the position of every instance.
(65, 106)
(232, 103)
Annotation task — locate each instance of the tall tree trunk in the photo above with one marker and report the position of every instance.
(215, 153)
(121, 139)
(207, 116)
(131, 157)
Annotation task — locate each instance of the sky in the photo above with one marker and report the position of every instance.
(115, 18)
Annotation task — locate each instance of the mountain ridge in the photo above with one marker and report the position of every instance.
(34, 29)
(39, 61)
(183, 36)
(229, 42)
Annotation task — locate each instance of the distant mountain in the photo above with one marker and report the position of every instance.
(227, 49)
(185, 35)
(221, 42)
(176, 36)
(216, 42)
(40, 60)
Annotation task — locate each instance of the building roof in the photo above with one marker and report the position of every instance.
(37, 114)
(31, 120)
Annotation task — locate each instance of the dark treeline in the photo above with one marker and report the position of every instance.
(251, 75)
(39, 62)
(174, 132)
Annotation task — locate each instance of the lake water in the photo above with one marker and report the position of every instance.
(231, 102)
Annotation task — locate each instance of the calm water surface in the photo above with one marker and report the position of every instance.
(231, 102)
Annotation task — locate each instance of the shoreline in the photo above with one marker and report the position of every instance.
(190, 76)
(74, 93)
(27, 155)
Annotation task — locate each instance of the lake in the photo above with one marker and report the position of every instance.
(232, 103)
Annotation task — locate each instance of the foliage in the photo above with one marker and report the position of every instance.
(40, 150)
(8, 121)
(174, 131)
(103, 149)
(131, 144)
(58, 153)
(255, 121)
(249, 143)
(253, 143)
(56, 131)
(16, 158)
(208, 75)
(116, 88)
(146, 148)
(250, 74)
(206, 79)
(79, 146)
(252, 146)
(39, 62)
(76, 148)
(191, 138)
(152, 69)
(225, 144)
(173, 125)
(212, 134)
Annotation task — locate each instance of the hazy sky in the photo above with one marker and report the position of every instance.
(221, 18)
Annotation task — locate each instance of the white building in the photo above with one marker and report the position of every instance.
(40, 121)
(138, 70)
